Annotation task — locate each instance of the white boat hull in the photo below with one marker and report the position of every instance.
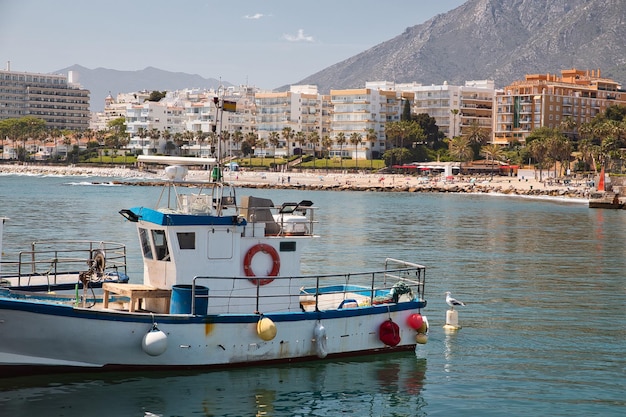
(38, 335)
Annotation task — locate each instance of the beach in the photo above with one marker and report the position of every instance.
(344, 181)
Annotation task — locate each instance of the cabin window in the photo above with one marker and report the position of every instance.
(146, 249)
(160, 245)
(186, 240)
(287, 246)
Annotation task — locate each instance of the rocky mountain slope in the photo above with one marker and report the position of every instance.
(494, 39)
(500, 40)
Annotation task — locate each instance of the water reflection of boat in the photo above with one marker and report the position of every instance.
(221, 288)
(385, 385)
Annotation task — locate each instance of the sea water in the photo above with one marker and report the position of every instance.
(543, 332)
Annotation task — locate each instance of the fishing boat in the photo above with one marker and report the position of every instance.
(221, 287)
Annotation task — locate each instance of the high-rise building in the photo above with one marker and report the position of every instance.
(363, 111)
(549, 100)
(56, 99)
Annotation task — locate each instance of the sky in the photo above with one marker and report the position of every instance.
(262, 43)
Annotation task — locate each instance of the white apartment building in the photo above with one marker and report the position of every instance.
(454, 107)
(56, 99)
(152, 117)
(301, 109)
(359, 110)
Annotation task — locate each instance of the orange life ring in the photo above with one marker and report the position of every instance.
(247, 260)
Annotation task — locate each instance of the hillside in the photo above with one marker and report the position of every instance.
(493, 39)
(102, 81)
(500, 40)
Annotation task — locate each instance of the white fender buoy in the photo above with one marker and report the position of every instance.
(266, 329)
(154, 342)
(320, 338)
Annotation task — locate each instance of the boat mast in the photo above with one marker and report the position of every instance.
(216, 174)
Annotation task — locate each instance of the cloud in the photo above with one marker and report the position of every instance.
(300, 37)
(255, 16)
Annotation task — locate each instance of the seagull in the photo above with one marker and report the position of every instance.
(453, 301)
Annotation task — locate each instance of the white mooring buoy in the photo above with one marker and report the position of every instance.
(452, 316)
(452, 320)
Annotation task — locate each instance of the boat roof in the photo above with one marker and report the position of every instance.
(163, 218)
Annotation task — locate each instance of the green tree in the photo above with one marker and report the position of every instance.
(288, 135)
(156, 96)
(406, 110)
(314, 139)
(299, 138)
(493, 151)
(340, 139)
(355, 139)
(327, 143)
(396, 156)
(274, 140)
(460, 149)
(477, 136)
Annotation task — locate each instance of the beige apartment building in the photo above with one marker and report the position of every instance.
(549, 100)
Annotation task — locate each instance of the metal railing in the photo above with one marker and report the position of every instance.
(56, 258)
(400, 281)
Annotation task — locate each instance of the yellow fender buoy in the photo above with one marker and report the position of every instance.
(266, 329)
(421, 338)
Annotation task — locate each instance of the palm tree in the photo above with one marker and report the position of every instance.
(155, 135)
(274, 140)
(288, 134)
(167, 135)
(493, 151)
(372, 137)
(188, 137)
(454, 112)
(460, 149)
(477, 137)
(327, 142)
(300, 137)
(142, 133)
(341, 140)
(237, 139)
(355, 139)
(261, 143)
(539, 151)
(314, 139)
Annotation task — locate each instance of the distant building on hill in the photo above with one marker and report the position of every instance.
(539, 100)
(56, 99)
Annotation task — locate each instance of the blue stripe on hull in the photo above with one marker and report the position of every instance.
(96, 314)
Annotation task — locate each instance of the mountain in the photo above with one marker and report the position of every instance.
(500, 40)
(102, 82)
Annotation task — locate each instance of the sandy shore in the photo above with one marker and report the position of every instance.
(331, 181)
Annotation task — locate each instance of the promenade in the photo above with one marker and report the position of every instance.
(331, 181)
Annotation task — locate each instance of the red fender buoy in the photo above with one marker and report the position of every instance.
(389, 333)
(247, 260)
